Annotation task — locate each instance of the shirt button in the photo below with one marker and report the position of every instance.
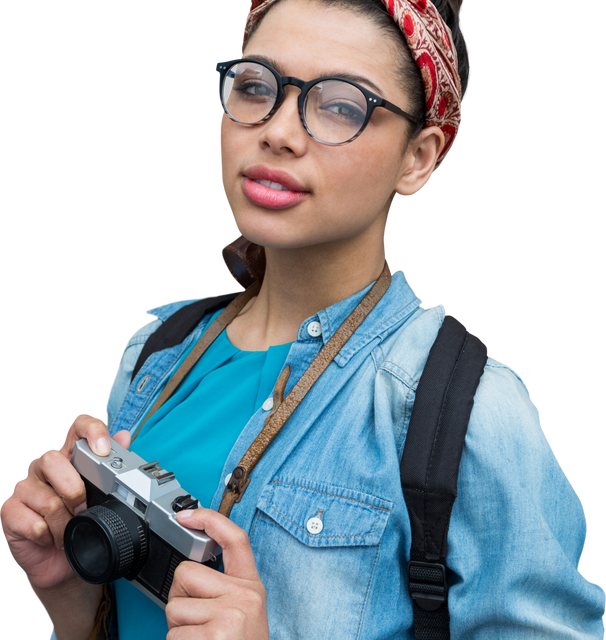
(314, 526)
(268, 405)
(314, 329)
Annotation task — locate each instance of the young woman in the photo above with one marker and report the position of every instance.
(319, 541)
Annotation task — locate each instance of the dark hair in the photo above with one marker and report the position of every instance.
(408, 72)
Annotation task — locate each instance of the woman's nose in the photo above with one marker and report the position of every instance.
(289, 107)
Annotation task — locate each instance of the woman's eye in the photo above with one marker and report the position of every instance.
(345, 110)
(255, 90)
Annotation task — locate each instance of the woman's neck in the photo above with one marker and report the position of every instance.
(295, 288)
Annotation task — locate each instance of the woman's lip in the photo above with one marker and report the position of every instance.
(271, 198)
(263, 172)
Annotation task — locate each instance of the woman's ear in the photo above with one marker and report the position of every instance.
(419, 160)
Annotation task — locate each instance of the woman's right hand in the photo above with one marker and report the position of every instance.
(34, 517)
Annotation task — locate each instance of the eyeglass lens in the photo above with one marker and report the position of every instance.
(334, 112)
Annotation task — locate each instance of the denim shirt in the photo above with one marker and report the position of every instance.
(517, 527)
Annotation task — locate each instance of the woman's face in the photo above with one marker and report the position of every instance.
(348, 188)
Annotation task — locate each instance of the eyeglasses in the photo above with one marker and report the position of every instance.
(333, 110)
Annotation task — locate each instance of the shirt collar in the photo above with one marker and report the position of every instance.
(397, 304)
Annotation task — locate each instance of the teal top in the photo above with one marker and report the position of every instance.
(192, 435)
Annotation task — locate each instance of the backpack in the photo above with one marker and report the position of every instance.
(429, 467)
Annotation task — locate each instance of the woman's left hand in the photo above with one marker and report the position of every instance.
(204, 603)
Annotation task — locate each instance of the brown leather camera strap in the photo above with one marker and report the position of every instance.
(206, 339)
(283, 407)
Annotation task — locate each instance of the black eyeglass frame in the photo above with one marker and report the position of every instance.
(372, 99)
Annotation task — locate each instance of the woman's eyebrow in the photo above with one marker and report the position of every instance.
(346, 76)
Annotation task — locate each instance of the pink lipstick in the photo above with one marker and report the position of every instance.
(270, 198)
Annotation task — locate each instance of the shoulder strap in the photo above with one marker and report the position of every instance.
(178, 326)
(430, 467)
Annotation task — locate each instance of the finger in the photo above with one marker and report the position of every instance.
(238, 558)
(213, 630)
(43, 500)
(193, 580)
(183, 611)
(19, 522)
(94, 430)
(123, 437)
(54, 469)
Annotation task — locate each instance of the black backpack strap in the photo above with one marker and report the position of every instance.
(178, 326)
(430, 467)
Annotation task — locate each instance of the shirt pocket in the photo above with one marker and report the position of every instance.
(317, 578)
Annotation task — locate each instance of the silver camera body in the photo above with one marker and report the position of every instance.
(129, 528)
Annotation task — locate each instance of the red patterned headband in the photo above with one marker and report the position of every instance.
(430, 42)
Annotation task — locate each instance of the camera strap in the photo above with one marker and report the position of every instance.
(283, 407)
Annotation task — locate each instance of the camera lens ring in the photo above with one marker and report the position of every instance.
(106, 542)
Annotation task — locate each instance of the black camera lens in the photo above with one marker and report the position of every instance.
(91, 548)
(106, 542)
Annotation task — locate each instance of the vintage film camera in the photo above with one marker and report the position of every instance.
(130, 528)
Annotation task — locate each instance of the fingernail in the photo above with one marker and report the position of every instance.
(186, 513)
(102, 447)
(79, 508)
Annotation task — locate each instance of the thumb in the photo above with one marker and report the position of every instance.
(238, 558)
(123, 438)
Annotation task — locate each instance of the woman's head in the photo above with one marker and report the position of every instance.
(348, 189)
(424, 60)
(405, 70)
